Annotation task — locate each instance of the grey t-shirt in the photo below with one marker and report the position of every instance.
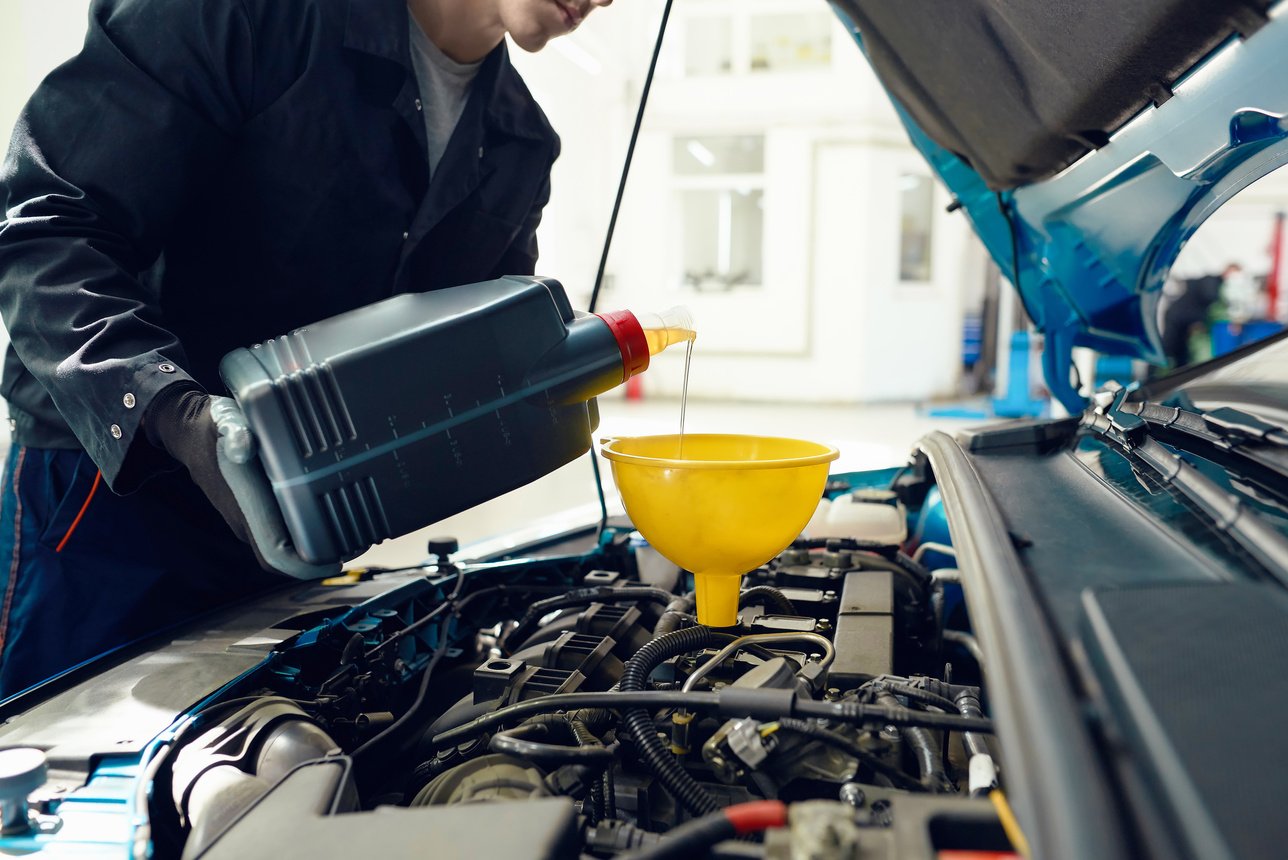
(444, 88)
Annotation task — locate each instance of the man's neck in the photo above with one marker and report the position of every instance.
(465, 30)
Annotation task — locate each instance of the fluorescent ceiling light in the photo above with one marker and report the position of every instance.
(705, 157)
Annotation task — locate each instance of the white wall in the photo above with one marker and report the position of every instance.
(832, 322)
(583, 84)
(35, 36)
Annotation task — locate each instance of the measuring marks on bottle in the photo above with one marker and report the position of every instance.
(500, 421)
(404, 471)
(427, 431)
(452, 444)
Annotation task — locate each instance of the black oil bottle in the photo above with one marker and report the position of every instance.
(382, 420)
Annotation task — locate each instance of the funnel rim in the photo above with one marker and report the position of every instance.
(826, 455)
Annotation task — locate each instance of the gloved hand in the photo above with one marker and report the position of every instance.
(178, 421)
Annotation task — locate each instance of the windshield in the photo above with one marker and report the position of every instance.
(1170, 508)
(1257, 382)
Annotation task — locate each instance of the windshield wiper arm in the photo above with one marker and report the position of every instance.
(1223, 431)
(1237, 427)
(1227, 512)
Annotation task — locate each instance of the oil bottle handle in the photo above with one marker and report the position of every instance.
(241, 468)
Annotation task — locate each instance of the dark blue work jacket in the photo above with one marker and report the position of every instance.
(207, 174)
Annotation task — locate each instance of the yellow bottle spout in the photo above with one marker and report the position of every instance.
(670, 327)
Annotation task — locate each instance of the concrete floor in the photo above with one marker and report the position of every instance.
(868, 437)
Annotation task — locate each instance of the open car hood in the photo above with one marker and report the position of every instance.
(1086, 143)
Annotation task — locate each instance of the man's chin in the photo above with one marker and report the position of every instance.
(531, 43)
(534, 37)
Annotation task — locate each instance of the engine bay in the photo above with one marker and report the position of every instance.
(571, 706)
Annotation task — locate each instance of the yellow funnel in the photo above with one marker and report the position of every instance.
(730, 505)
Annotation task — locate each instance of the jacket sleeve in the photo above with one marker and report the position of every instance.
(520, 258)
(110, 148)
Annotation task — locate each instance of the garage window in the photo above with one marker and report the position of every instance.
(789, 43)
(719, 181)
(741, 37)
(916, 215)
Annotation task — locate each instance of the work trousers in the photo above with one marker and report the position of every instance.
(83, 570)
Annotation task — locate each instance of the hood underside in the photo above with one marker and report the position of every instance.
(1086, 142)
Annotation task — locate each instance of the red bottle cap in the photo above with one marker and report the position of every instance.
(630, 340)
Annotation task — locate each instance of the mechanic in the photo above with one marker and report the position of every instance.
(205, 175)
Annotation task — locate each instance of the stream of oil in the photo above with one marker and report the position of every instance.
(660, 339)
(684, 391)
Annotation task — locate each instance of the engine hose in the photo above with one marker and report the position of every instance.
(916, 568)
(924, 748)
(609, 788)
(928, 758)
(594, 719)
(676, 611)
(694, 838)
(730, 702)
(581, 597)
(968, 705)
(916, 694)
(512, 743)
(767, 596)
(831, 543)
(638, 722)
(595, 808)
(921, 585)
(967, 641)
(897, 778)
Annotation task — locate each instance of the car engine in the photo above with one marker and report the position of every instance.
(571, 706)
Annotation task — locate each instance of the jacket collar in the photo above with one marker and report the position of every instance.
(379, 28)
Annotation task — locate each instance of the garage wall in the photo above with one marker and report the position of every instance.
(831, 321)
(35, 36)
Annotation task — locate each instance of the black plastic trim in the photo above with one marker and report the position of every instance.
(1054, 784)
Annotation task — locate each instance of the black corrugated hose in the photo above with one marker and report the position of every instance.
(968, 705)
(609, 788)
(915, 694)
(767, 596)
(596, 811)
(923, 745)
(676, 611)
(639, 722)
(597, 721)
